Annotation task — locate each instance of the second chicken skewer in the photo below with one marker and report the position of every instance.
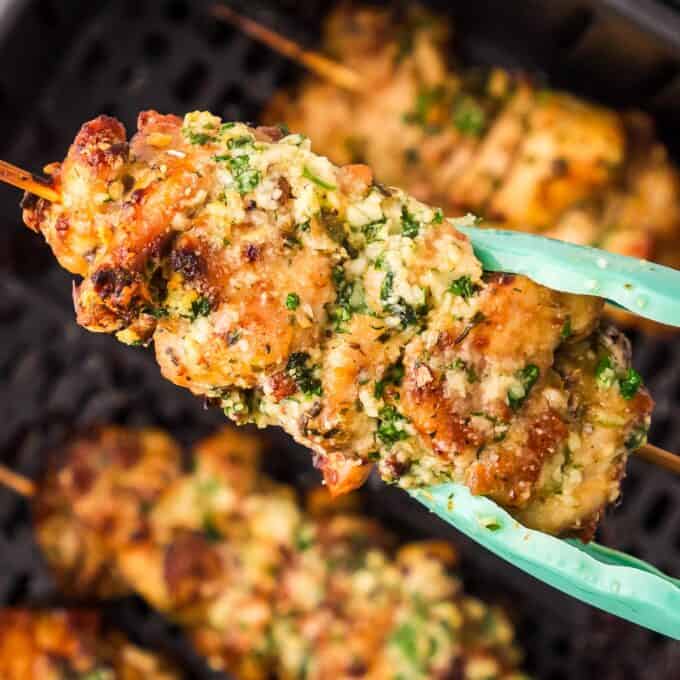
(261, 586)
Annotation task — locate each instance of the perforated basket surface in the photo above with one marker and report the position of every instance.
(120, 57)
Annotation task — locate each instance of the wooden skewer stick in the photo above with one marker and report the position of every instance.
(22, 485)
(23, 179)
(338, 74)
(664, 459)
(652, 454)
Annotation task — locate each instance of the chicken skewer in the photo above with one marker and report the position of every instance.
(296, 293)
(531, 160)
(260, 585)
(71, 645)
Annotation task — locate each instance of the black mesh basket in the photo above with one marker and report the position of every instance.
(119, 57)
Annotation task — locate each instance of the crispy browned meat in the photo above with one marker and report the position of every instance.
(266, 588)
(71, 645)
(300, 294)
(486, 141)
(95, 501)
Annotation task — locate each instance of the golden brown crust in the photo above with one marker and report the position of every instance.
(68, 645)
(304, 295)
(265, 588)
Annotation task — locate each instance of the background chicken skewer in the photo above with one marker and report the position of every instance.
(69, 645)
(489, 142)
(296, 293)
(260, 585)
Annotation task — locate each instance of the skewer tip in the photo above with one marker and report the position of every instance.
(332, 71)
(22, 179)
(18, 483)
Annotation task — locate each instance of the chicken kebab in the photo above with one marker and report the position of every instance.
(71, 645)
(293, 292)
(263, 586)
(485, 140)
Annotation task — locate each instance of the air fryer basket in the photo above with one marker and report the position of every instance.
(120, 57)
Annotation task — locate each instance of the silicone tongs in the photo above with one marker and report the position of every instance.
(606, 578)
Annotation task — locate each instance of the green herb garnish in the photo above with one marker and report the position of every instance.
(349, 298)
(210, 530)
(469, 117)
(292, 301)
(302, 374)
(409, 225)
(386, 286)
(566, 329)
(317, 180)
(630, 383)
(463, 287)
(198, 138)
(240, 142)
(388, 431)
(605, 375)
(201, 306)
(636, 439)
(393, 375)
(518, 393)
(371, 231)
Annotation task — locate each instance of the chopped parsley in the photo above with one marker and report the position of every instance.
(371, 231)
(210, 530)
(630, 383)
(470, 372)
(438, 216)
(317, 180)
(245, 176)
(156, 312)
(302, 374)
(425, 103)
(463, 287)
(409, 224)
(408, 314)
(636, 439)
(292, 301)
(349, 298)
(527, 377)
(469, 117)
(389, 430)
(240, 142)
(393, 375)
(605, 375)
(304, 538)
(386, 286)
(201, 306)
(405, 638)
(566, 329)
(198, 138)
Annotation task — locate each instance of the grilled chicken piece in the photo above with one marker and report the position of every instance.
(488, 142)
(71, 645)
(296, 293)
(265, 588)
(94, 501)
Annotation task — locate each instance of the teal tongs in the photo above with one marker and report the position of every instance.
(608, 579)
